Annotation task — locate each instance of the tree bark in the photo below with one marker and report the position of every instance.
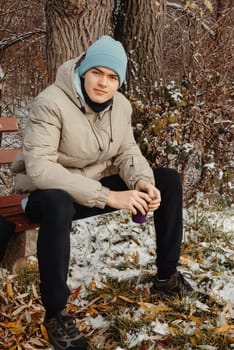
(139, 25)
(72, 25)
(223, 5)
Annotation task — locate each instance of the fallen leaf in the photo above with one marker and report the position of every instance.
(224, 329)
(195, 319)
(44, 332)
(12, 325)
(193, 340)
(10, 291)
(209, 5)
(19, 310)
(152, 307)
(105, 307)
(125, 299)
(34, 290)
(21, 296)
(92, 285)
(76, 293)
(92, 311)
(36, 341)
(135, 257)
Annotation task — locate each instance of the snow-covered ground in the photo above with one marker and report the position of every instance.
(99, 246)
(110, 251)
(113, 247)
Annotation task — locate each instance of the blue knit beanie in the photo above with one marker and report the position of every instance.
(106, 52)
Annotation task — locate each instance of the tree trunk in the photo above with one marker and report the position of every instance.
(72, 26)
(139, 25)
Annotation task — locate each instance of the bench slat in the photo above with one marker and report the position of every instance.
(10, 200)
(8, 155)
(8, 124)
(22, 223)
(10, 205)
(10, 208)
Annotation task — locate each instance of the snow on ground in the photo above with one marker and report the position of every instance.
(112, 247)
(101, 245)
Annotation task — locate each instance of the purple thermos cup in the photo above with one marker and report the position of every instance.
(139, 218)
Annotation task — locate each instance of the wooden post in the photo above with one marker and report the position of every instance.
(21, 245)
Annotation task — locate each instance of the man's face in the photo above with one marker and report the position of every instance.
(101, 84)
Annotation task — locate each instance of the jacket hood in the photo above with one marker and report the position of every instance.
(68, 82)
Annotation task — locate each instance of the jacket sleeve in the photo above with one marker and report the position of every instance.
(130, 161)
(40, 148)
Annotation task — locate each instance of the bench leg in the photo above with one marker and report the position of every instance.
(21, 245)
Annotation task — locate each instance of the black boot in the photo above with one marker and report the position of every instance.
(177, 286)
(63, 333)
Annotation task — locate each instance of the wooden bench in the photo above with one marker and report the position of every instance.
(24, 242)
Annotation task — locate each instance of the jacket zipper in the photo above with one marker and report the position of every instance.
(96, 136)
(98, 142)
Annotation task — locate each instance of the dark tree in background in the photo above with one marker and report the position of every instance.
(165, 40)
(72, 26)
(139, 25)
(22, 51)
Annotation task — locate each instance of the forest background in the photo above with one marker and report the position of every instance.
(180, 74)
(180, 83)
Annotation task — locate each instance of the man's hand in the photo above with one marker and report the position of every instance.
(152, 191)
(131, 199)
(145, 197)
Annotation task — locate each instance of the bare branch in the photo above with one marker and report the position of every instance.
(11, 41)
(3, 14)
(194, 16)
(6, 30)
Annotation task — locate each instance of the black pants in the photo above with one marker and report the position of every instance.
(54, 210)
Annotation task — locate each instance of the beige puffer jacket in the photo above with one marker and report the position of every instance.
(68, 146)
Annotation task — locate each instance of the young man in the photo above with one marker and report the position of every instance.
(80, 159)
